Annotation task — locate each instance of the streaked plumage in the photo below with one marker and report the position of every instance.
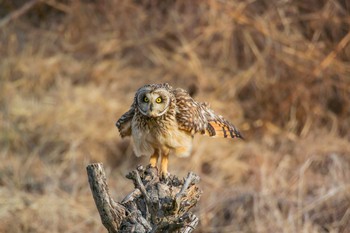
(163, 121)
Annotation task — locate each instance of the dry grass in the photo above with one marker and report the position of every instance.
(278, 69)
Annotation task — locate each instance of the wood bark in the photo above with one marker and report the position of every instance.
(155, 205)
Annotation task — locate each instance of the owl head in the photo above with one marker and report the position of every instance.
(153, 100)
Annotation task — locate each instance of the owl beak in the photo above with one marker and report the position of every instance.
(150, 111)
(152, 114)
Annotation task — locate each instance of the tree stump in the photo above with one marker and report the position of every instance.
(155, 205)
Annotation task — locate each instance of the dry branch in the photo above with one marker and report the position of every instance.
(111, 213)
(18, 13)
(155, 205)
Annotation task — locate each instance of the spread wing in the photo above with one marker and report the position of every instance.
(124, 123)
(196, 117)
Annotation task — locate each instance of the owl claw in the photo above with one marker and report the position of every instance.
(165, 175)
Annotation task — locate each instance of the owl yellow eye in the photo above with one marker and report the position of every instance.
(145, 99)
(159, 100)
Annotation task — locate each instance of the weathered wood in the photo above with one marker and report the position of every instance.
(111, 213)
(155, 205)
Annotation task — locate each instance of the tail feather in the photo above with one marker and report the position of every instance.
(222, 129)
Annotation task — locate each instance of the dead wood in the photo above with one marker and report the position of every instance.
(155, 205)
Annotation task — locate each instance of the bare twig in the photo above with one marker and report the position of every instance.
(59, 6)
(191, 178)
(18, 13)
(132, 196)
(141, 186)
(332, 55)
(192, 225)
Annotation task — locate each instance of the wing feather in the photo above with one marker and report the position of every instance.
(188, 113)
(196, 117)
(124, 122)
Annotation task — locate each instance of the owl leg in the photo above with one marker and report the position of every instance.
(154, 158)
(164, 164)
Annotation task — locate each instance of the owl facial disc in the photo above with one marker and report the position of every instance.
(153, 103)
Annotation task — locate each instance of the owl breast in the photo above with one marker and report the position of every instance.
(150, 135)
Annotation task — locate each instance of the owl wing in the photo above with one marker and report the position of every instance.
(124, 123)
(196, 117)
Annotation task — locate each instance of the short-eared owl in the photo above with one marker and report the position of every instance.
(163, 121)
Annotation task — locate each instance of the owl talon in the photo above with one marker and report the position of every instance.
(165, 175)
(154, 158)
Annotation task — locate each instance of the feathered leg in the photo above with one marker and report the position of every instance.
(164, 164)
(154, 159)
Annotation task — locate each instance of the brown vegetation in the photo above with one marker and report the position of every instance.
(280, 70)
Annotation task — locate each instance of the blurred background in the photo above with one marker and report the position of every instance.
(279, 70)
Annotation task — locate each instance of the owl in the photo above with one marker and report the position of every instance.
(163, 120)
